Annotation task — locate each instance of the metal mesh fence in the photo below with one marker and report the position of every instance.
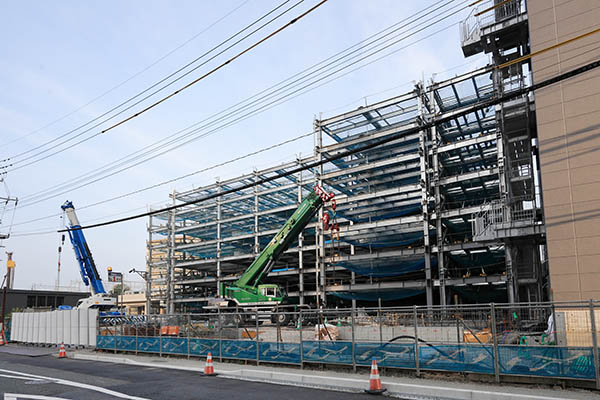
(551, 340)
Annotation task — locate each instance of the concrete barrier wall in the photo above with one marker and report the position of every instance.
(71, 327)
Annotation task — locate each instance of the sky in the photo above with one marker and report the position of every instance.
(65, 63)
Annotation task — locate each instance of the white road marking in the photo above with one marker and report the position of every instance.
(75, 384)
(21, 377)
(17, 396)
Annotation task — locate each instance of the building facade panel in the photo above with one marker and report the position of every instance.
(576, 135)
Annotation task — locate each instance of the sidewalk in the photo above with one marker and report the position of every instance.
(405, 387)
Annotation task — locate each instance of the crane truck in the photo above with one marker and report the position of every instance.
(248, 292)
(87, 267)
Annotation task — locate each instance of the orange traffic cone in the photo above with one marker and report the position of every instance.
(2, 339)
(374, 381)
(62, 353)
(208, 369)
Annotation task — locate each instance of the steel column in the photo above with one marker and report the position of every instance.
(594, 344)
(495, 339)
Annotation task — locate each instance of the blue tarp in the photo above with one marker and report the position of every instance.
(403, 239)
(375, 295)
(386, 267)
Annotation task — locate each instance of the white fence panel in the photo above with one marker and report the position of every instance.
(24, 327)
(60, 331)
(42, 320)
(53, 319)
(30, 327)
(15, 327)
(74, 335)
(71, 327)
(23, 334)
(36, 327)
(83, 327)
(66, 315)
(49, 316)
(45, 324)
(92, 326)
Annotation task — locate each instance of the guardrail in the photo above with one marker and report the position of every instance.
(552, 340)
(487, 13)
(496, 215)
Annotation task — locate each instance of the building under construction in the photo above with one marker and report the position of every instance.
(441, 215)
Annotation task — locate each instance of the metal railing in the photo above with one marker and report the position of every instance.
(497, 215)
(487, 13)
(552, 340)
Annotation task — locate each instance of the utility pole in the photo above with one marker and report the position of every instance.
(7, 200)
(10, 271)
(2, 336)
(146, 278)
(3, 310)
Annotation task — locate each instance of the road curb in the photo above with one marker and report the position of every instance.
(405, 390)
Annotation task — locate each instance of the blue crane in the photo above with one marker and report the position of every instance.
(87, 267)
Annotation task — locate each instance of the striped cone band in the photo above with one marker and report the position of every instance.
(208, 369)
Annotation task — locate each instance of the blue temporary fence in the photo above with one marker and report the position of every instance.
(546, 361)
(570, 362)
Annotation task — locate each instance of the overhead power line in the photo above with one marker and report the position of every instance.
(218, 165)
(255, 112)
(183, 87)
(135, 75)
(212, 71)
(298, 85)
(88, 138)
(253, 153)
(428, 125)
(129, 100)
(226, 162)
(214, 166)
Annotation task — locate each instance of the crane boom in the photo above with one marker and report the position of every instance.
(248, 290)
(87, 267)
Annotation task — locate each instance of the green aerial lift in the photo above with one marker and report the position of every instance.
(248, 291)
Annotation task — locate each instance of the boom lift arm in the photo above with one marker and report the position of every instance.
(248, 290)
(87, 267)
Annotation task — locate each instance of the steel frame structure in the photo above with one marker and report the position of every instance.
(441, 211)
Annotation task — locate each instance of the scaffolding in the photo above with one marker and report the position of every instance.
(442, 215)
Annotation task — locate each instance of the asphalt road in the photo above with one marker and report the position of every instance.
(79, 379)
